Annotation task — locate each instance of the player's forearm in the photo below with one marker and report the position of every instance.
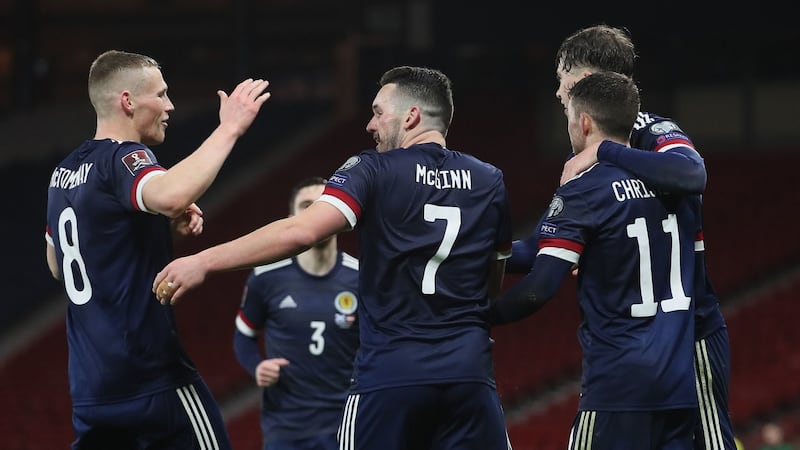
(680, 170)
(247, 352)
(184, 183)
(272, 242)
(523, 252)
(531, 293)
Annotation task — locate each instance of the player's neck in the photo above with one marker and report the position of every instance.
(318, 260)
(112, 130)
(424, 137)
(597, 139)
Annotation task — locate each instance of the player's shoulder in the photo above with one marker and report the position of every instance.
(656, 133)
(132, 154)
(476, 165)
(656, 124)
(365, 158)
(272, 268)
(349, 261)
(111, 147)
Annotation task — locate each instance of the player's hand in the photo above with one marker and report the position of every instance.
(238, 110)
(188, 223)
(268, 371)
(179, 277)
(579, 163)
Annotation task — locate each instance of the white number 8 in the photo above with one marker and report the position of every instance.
(70, 246)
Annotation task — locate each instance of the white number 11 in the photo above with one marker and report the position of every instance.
(679, 300)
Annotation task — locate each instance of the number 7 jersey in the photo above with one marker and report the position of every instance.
(636, 259)
(430, 220)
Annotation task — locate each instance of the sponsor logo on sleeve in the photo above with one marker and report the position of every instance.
(338, 179)
(548, 229)
(136, 160)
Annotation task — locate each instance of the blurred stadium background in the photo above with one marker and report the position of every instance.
(731, 84)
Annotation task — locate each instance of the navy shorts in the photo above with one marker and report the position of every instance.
(669, 429)
(185, 418)
(320, 442)
(712, 359)
(457, 416)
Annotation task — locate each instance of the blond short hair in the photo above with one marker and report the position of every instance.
(112, 72)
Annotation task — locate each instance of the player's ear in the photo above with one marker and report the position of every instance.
(126, 102)
(587, 123)
(413, 118)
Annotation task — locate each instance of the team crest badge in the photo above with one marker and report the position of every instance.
(136, 160)
(346, 302)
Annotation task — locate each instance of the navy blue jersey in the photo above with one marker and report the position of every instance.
(429, 220)
(311, 321)
(660, 134)
(122, 341)
(636, 271)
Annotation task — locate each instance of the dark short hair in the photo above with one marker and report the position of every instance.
(310, 181)
(430, 87)
(601, 47)
(611, 99)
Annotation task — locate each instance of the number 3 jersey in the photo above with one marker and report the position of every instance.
(109, 247)
(636, 274)
(429, 221)
(311, 321)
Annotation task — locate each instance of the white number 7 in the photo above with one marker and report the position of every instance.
(452, 215)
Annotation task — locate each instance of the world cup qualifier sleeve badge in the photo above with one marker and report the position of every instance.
(136, 160)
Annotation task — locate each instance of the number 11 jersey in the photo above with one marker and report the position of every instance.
(636, 271)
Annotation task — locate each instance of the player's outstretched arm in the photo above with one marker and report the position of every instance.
(679, 170)
(272, 242)
(173, 191)
(523, 252)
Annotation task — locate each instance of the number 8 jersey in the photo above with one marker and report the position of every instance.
(429, 221)
(109, 247)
